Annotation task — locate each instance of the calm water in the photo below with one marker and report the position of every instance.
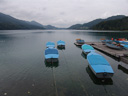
(23, 71)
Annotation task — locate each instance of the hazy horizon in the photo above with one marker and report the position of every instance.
(63, 13)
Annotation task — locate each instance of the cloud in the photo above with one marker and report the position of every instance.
(63, 13)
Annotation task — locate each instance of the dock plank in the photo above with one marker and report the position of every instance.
(119, 54)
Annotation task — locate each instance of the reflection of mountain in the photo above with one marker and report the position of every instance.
(55, 64)
(97, 80)
(123, 69)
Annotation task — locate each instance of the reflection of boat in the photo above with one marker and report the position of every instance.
(51, 55)
(87, 49)
(123, 69)
(84, 55)
(114, 46)
(50, 44)
(99, 81)
(60, 48)
(99, 65)
(80, 41)
(54, 64)
(61, 44)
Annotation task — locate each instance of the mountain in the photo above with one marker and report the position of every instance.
(50, 27)
(10, 23)
(118, 24)
(36, 23)
(94, 22)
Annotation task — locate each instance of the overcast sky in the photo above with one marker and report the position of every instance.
(63, 13)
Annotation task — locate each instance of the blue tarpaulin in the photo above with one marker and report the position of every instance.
(99, 63)
(50, 44)
(87, 48)
(51, 53)
(60, 42)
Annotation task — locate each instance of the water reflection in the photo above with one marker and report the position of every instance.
(61, 48)
(78, 46)
(84, 55)
(98, 81)
(123, 69)
(91, 36)
(40, 32)
(52, 64)
(6, 37)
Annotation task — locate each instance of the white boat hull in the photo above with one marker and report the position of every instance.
(102, 74)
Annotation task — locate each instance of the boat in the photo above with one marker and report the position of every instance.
(61, 44)
(121, 40)
(125, 46)
(114, 46)
(51, 55)
(106, 41)
(99, 65)
(87, 49)
(50, 45)
(80, 41)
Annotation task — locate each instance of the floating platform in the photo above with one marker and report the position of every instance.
(118, 54)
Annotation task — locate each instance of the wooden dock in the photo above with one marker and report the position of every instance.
(119, 54)
(77, 44)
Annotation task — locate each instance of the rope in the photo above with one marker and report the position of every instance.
(54, 81)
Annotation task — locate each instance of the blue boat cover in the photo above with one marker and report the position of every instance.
(50, 44)
(81, 41)
(106, 41)
(51, 53)
(85, 47)
(60, 42)
(125, 46)
(99, 63)
(124, 42)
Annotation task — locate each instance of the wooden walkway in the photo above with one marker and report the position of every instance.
(119, 54)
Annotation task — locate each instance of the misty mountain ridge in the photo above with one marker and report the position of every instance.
(8, 22)
(94, 22)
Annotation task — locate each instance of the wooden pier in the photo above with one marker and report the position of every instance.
(119, 54)
(78, 44)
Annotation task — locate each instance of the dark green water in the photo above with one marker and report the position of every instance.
(23, 71)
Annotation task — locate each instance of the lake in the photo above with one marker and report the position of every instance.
(23, 71)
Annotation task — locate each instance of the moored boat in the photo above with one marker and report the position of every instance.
(114, 46)
(61, 44)
(80, 41)
(87, 49)
(106, 40)
(51, 55)
(50, 45)
(99, 65)
(125, 46)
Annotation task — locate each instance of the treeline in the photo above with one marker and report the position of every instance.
(119, 24)
(115, 23)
